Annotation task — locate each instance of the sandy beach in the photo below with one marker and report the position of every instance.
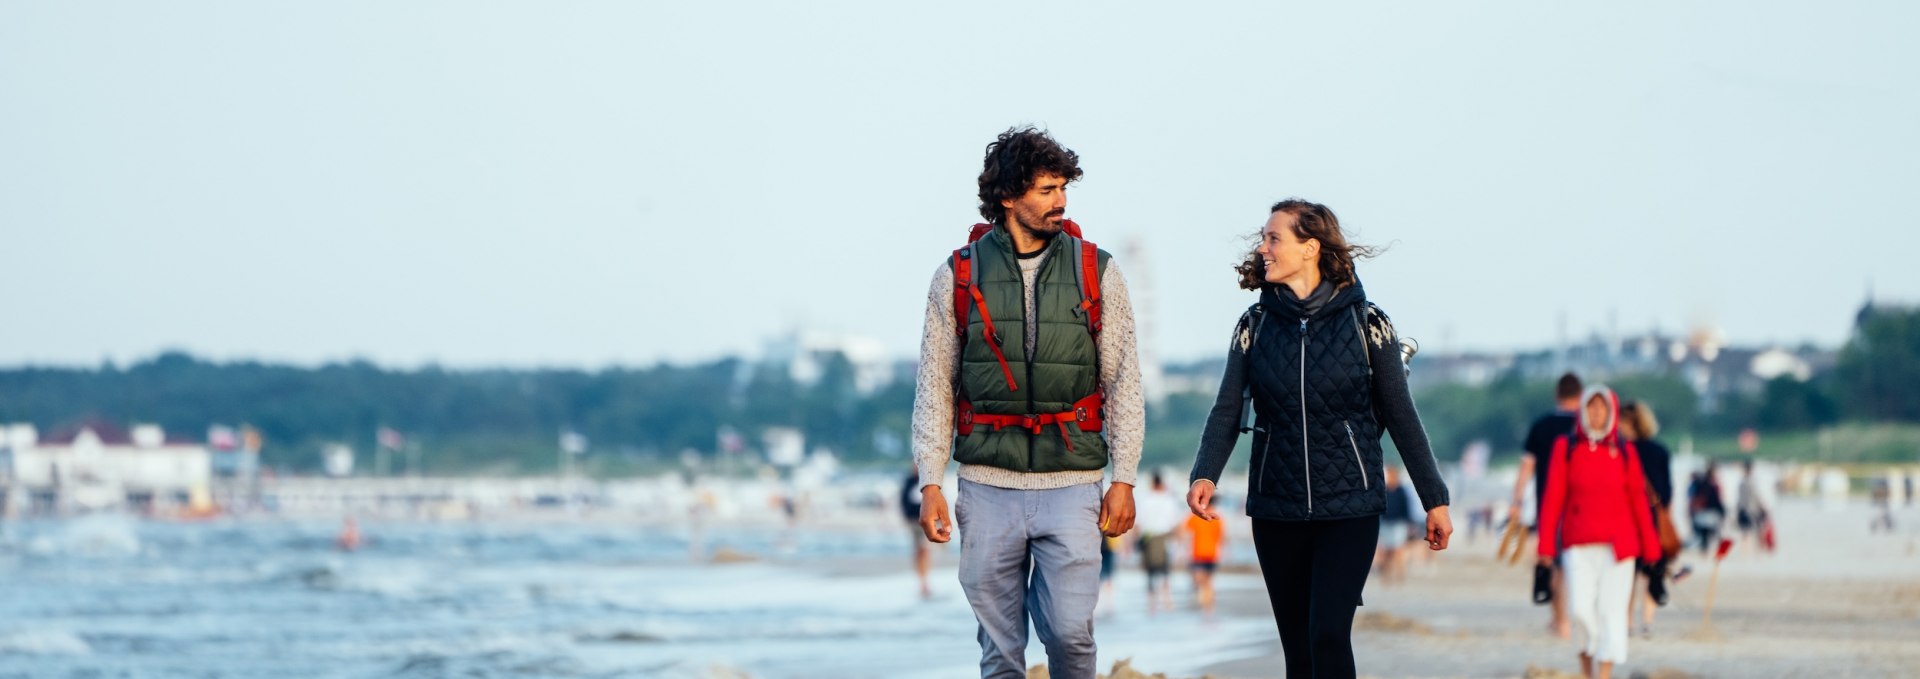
(1833, 601)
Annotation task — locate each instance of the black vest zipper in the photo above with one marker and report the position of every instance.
(1306, 464)
(1364, 484)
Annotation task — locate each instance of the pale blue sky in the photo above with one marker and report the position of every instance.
(583, 184)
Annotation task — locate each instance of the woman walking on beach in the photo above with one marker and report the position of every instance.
(1320, 371)
(1705, 507)
(1595, 515)
(1749, 511)
(1638, 426)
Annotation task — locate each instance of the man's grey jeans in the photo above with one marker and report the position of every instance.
(1031, 553)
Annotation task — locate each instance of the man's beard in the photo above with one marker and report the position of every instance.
(1042, 224)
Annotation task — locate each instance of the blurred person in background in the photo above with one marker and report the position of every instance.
(1396, 530)
(1206, 540)
(1882, 497)
(910, 510)
(1535, 458)
(1109, 559)
(1705, 510)
(1157, 519)
(1750, 513)
(1322, 372)
(1594, 515)
(1638, 426)
(349, 539)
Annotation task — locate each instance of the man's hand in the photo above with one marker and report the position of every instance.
(1439, 528)
(1200, 500)
(1116, 511)
(934, 519)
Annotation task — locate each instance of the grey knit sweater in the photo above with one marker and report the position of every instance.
(940, 367)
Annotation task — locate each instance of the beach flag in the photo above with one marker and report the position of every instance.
(390, 438)
(222, 437)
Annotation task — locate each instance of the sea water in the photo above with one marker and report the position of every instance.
(116, 596)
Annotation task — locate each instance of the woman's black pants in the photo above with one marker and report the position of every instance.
(1314, 572)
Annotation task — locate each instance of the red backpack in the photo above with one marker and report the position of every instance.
(966, 295)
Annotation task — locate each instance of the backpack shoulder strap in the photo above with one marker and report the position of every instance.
(1244, 336)
(965, 277)
(963, 280)
(1086, 271)
(1360, 331)
(966, 295)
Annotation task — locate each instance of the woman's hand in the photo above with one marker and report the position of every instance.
(1439, 528)
(1200, 500)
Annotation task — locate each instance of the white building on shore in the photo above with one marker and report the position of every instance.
(98, 466)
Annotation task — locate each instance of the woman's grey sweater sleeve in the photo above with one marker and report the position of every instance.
(1394, 402)
(1223, 422)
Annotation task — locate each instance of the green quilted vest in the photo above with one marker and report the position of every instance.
(1064, 367)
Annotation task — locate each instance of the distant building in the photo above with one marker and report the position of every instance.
(1710, 367)
(807, 356)
(236, 452)
(98, 465)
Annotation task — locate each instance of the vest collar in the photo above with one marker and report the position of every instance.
(1001, 232)
(1283, 302)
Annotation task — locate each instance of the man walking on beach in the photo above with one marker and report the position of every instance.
(1533, 468)
(1035, 391)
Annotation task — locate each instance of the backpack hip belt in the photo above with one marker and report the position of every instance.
(1089, 414)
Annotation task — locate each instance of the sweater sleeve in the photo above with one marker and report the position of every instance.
(1223, 422)
(1394, 403)
(933, 386)
(1126, 416)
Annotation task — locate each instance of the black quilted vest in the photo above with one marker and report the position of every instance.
(1316, 443)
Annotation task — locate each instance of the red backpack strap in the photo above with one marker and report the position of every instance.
(963, 276)
(966, 294)
(1086, 268)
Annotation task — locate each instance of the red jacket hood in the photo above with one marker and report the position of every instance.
(1613, 413)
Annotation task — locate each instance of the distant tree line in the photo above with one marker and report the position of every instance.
(511, 419)
(512, 416)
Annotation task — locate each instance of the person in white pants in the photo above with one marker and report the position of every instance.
(1598, 589)
(1594, 510)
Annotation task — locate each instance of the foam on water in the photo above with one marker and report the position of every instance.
(42, 642)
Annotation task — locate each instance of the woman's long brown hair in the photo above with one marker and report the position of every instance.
(1315, 221)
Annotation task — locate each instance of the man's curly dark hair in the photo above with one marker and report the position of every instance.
(1013, 160)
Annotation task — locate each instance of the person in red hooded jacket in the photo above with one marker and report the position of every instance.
(1594, 513)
